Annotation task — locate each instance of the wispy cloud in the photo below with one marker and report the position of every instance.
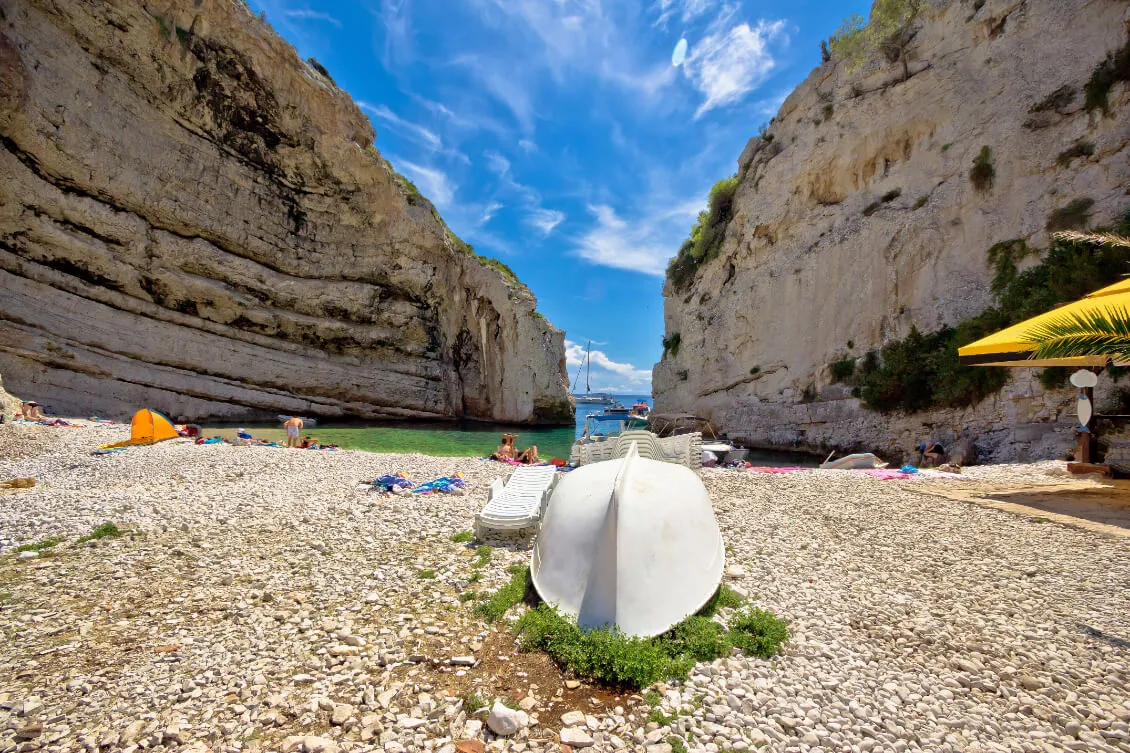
(545, 219)
(489, 211)
(731, 62)
(497, 163)
(643, 245)
(527, 146)
(417, 133)
(312, 15)
(397, 50)
(432, 182)
(686, 10)
(627, 377)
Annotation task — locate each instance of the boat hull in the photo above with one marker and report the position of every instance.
(631, 543)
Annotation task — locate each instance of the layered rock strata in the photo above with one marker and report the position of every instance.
(858, 220)
(195, 220)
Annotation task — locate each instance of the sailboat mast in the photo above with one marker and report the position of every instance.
(588, 367)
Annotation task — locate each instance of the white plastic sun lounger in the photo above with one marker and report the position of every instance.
(520, 502)
(684, 449)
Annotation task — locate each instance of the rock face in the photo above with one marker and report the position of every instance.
(858, 220)
(195, 220)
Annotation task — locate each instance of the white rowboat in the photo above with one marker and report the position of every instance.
(630, 542)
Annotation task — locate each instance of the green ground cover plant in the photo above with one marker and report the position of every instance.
(608, 656)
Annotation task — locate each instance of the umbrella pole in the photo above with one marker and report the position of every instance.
(1086, 446)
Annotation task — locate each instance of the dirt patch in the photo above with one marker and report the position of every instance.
(511, 675)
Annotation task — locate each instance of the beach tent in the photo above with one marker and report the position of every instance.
(630, 542)
(147, 427)
(1011, 346)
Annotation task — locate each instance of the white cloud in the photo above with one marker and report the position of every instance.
(489, 211)
(545, 219)
(417, 133)
(625, 376)
(497, 163)
(312, 15)
(643, 245)
(527, 146)
(729, 63)
(433, 183)
(397, 51)
(687, 10)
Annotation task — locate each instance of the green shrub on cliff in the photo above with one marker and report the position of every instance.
(921, 371)
(705, 241)
(887, 31)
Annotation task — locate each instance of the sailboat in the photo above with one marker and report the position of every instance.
(594, 398)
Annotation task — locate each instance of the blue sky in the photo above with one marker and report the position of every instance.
(559, 137)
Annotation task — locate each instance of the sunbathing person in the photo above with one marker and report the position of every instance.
(529, 456)
(30, 410)
(505, 450)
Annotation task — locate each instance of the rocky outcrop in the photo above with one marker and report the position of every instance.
(9, 404)
(858, 220)
(195, 220)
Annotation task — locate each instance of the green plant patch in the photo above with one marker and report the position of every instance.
(426, 574)
(41, 545)
(1071, 217)
(107, 530)
(500, 602)
(982, 174)
(1115, 68)
(462, 537)
(1076, 150)
(671, 344)
(843, 369)
(724, 598)
(484, 554)
(608, 656)
(922, 371)
(705, 241)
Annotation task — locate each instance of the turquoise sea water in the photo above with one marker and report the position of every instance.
(436, 438)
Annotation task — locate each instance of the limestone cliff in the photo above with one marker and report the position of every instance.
(194, 219)
(856, 219)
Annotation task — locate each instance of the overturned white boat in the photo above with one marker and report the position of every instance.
(630, 542)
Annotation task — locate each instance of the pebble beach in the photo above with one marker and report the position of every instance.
(259, 600)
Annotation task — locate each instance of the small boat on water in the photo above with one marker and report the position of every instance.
(631, 542)
(640, 410)
(860, 460)
(589, 397)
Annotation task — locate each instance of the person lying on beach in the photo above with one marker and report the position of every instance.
(293, 427)
(308, 443)
(30, 411)
(529, 455)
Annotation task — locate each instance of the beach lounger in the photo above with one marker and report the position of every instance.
(684, 449)
(519, 502)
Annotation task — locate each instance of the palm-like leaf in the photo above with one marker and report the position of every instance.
(1102, 239)
(1103, 332)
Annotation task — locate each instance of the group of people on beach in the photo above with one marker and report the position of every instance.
(508, 453)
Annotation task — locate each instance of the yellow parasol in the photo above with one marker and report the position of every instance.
(1011, 347)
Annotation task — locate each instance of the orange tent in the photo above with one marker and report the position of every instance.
(147, 427)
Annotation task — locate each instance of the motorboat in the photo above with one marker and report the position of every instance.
(640, 410)
(610, 423)
(860, 460)
(631, 543)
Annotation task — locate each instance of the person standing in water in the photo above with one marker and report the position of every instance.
(293, 427)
